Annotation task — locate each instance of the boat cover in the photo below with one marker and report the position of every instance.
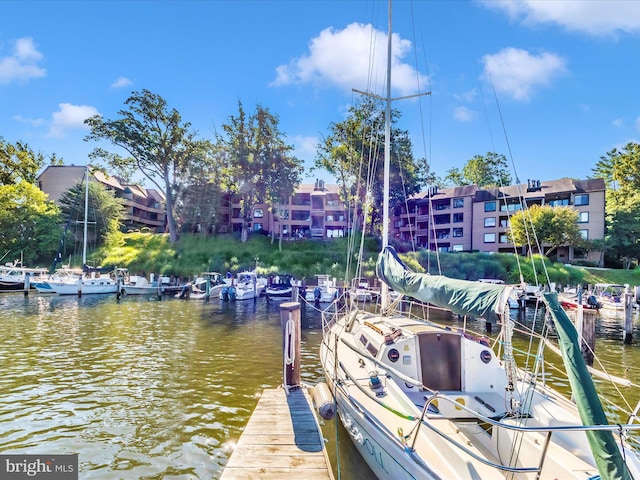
(464, 297)
(603, 444)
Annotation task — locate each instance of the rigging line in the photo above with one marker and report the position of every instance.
(544, 267)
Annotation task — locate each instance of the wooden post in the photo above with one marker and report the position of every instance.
(118, 287)
(628, 316)
(26, 283)
(80, 285)
(208, 290)
(291, 335)
(588, 335)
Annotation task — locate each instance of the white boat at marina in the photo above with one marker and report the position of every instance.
(64, 274)
(610, 296)
(247, 286)
(325, 291)
(13, 276)
(427, 401)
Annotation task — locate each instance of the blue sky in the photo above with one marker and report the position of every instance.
(552, 85)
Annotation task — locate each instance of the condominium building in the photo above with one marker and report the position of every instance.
(313, 211)
(472, 219)
(143, 207)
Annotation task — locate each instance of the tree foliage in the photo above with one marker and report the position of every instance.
(620, 170)
(261, 165)
(486, 171)
(199, 200)
(353, 153)
(105, 214)
(29, 223)
(18, 162)
(156, 142)
(546, 226)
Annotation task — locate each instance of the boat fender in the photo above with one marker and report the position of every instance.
(324, 401)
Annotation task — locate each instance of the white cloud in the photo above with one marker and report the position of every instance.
(35, 122)
(517, 73)
(618, 122)
(305, 146)
(355, 57)
(595, 17)
(464, 114)
(21, 64)
(70, 117)
(121, 82)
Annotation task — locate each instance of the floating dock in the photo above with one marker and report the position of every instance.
(281, 440)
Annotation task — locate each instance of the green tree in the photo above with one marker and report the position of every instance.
(546, 226)
(486, 171)
(105, 214)
(261, 167)
(157, 143)
(19, 162)
(29, 223)
(353, 152)
(200, 200)
(620, 170)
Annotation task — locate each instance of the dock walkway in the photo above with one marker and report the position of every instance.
(281, 440)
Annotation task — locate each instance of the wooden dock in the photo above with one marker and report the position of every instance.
(282, 440)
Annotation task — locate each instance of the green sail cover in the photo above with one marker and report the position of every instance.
(463, 297)
(603, 445)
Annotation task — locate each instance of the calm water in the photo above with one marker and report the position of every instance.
(147, 389)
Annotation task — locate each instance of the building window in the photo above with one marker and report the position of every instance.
(560, 202)
(581, 199)
(583, 217)
(258, 213)
(504, 238)
(457, 248)
(504, 222)
(257, 227)
(490, 206)
(442, 219)
(489, 238)
(490, 222)
(458, 217)
(585, 234)
(442, 233)
(457, 232)
(458, 203)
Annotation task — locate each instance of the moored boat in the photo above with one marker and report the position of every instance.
(427, 401)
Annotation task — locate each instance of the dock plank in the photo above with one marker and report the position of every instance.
(281, 440)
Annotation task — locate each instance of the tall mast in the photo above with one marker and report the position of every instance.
(86, 213)
(384, 289)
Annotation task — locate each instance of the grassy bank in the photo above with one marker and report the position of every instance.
(192, 254)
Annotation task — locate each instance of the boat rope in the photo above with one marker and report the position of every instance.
(289, 353)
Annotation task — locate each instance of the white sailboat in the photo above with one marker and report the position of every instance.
(90, 281)
(426, 401)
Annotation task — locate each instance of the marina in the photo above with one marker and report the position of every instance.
(147, 388)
